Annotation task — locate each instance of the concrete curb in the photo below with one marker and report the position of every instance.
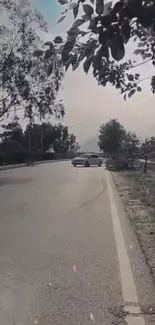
(7, 167)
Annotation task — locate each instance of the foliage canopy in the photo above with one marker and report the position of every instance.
(98, 37)
(38, 138)
(26, 81)
(114, 139)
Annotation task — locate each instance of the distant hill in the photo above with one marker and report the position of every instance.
(90, 145)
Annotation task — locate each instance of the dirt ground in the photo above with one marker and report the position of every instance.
(137, 191)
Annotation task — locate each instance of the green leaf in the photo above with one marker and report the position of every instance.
(62, 2)
(117, 47)
(61, 19)
(104, 51)
(137, 75)
(38, 53)
(65, 57)
(49, 53)
(137, 51)
(75, 11)
(131, 93)
(75, 31)
(67, 63)
(85, 17)
(92, 24)
(126, 30)
(130, 77)
(60, 49)
(103, 37)
(75, 66)
(68, 47)
(49, 69)
(124, 97)
(144, 56)
(141, 44)
(77, 23)
(58, 40)
(74, 58)
(71, 38)
(83, 33)
(97, 60)
(107, 8)
(73, 5)
(89, 48)
(50, 44)
(88, 10)
(99, 7)
(87, 64)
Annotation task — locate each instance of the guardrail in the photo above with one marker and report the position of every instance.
(7, 167)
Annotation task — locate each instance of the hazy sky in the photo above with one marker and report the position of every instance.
(88, 105)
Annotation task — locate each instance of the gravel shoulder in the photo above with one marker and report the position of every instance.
(137, 191)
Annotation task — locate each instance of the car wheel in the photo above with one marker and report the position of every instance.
(87, 164)
(74, 165)
(100, 164)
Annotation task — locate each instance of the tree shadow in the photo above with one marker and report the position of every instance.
(4, 181)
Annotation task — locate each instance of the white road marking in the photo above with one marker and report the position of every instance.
(127, 282)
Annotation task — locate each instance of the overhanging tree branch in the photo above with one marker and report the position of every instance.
(6, 109)
(18, 82)
(139, 64)
(111, 27)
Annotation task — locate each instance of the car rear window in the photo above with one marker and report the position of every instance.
(85, 156)
(94, 156)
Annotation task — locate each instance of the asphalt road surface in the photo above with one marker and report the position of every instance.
(68, 254)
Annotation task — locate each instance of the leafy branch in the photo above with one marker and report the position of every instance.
(23, 76)
(139, 64)
(98, 37)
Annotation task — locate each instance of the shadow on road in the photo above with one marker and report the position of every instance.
(14, 181)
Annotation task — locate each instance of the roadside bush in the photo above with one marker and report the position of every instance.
(22, 156)
(13, 157)
(119, 163)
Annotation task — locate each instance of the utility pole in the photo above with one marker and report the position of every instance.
(42, 138)
(29, 136)
(30, 125)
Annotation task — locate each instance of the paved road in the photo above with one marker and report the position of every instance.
(68, 254)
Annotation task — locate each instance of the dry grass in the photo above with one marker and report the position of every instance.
(137, 191)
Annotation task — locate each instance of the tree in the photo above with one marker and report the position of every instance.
(12, 143)
(111, 137)
(130, 144)
(73, 144)
(148, 148)
(45, 136)
(35, 142)
(115, 140)
(12, 133)
(99, 37)
(26, 81)
(32, 137)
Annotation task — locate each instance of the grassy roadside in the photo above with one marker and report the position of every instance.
(137, 190)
